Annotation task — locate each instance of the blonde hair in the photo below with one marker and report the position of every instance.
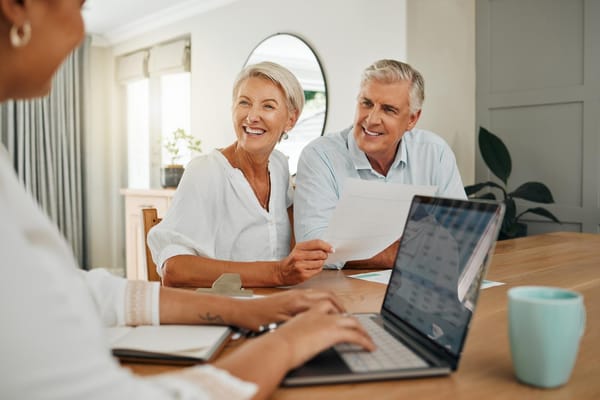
(280, 76)
(392, 71)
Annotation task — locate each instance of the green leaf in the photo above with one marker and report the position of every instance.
(495, 154)
(471, 189)
(543, 212)
(486, 196)
(533, 191)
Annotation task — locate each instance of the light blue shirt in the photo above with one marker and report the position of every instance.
(423, 159)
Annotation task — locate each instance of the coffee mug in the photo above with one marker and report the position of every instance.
(545, 326)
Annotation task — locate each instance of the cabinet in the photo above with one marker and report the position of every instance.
(135, 242)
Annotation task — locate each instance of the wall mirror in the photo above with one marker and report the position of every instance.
(296, 55)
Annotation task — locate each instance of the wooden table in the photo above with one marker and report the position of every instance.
(569, 260)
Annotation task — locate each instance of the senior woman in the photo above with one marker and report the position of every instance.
(52, 340)
(232, 209)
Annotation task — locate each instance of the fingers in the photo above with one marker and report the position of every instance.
(292, 274)
(308, 265)
(353, 332)
(307, 254)
(315, 244)
(325, 296)
(312, 332)
(326, 307)
(296, 301)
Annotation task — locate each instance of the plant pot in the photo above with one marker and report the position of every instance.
(170, 175)
(518, 230)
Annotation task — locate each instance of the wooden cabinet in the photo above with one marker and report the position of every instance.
(135, 201)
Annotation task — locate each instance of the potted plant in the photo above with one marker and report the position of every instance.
(171, 174)
(497, 158)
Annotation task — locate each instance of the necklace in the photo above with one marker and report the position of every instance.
(262, 200)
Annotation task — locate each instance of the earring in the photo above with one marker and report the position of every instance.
(284, 136)
(19, 37)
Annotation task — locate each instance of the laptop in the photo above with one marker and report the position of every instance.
(421, 329)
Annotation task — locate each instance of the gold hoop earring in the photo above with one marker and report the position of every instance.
(19, 37)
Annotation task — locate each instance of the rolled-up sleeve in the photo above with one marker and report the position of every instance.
(188, 227)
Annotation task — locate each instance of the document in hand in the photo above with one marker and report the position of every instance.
(177, 344)
(369, 217)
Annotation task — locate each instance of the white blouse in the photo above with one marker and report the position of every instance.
(216, 214)
(53, 343)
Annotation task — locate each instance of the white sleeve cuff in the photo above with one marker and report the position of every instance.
(155, 303)
(141, 303)
(169, 251)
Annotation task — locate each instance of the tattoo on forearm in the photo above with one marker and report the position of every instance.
(213, 319)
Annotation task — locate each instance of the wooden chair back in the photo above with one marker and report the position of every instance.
(150, 217)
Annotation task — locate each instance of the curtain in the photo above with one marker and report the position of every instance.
(44, 139)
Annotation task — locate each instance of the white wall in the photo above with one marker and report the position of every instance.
(347, 36)
(441, 45)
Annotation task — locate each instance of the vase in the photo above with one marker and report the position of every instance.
(171, 175)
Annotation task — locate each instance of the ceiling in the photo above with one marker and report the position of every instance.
(116, 20)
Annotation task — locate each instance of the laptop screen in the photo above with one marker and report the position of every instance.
(438, 268)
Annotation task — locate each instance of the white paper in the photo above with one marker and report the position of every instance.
(369, 217)
(384, 275)
(488, 284)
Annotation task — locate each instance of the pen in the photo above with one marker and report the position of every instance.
(264, 329)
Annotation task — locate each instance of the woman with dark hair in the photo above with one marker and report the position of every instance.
(53, 341)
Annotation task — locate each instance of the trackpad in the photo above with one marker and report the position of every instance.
(325, 363)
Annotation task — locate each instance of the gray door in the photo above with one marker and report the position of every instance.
(538, 88)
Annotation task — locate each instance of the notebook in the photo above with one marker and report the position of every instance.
(421, 328)
(170, 344)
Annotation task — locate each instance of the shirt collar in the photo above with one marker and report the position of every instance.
(360, 160)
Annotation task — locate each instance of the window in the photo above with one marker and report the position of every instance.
(157, 83)
(175, 110)
(138, 143)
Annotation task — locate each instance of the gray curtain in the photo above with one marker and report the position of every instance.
(44, 139)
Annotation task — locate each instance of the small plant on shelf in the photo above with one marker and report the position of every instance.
(171, 174)
(176, 141)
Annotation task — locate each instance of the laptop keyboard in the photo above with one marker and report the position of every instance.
(390, 353)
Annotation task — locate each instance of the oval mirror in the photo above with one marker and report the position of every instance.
(297, 56)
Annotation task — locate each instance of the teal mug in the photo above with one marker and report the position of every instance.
(545, 326)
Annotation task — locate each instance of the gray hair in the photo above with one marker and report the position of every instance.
(392, 71)
(280, 76)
